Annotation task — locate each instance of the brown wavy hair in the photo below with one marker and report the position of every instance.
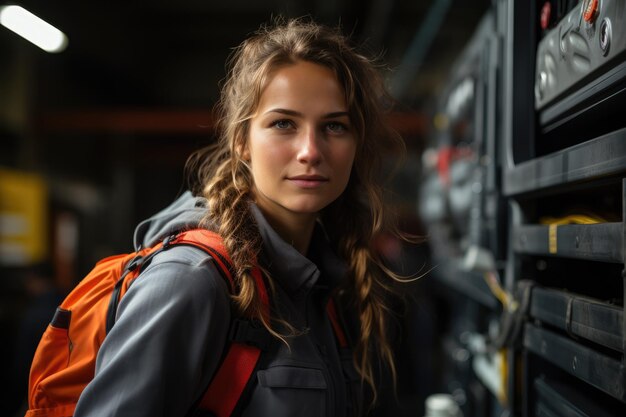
(353, 220)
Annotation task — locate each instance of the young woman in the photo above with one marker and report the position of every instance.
(291, 186)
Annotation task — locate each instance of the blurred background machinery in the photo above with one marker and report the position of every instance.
(523, 193)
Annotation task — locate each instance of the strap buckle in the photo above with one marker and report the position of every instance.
(251, 333)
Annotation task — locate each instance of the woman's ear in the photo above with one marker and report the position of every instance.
(242, 151)
(245, 153)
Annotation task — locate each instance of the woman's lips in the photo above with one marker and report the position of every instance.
(308, 181)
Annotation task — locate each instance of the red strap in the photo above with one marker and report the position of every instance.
(211, 243)
(237, 368)
(331, 309)
(231, 378)
(260, 286)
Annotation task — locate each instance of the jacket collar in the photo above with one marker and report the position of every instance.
(289, 268)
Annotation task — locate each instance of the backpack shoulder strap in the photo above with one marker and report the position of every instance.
(241, 358)
(237, 368)
(331, 310)
(129, 271)
(212, 243)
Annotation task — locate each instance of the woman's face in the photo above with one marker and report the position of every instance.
(301, 143)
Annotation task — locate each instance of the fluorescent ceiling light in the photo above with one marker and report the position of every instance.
(32, 28)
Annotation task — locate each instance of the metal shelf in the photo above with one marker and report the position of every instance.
(571, 104)
(595, 242)
(585, 317)
(601, 371)
(556, 399)
(599, 157)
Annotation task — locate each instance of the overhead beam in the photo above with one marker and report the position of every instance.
(186, 122)
(192, 122)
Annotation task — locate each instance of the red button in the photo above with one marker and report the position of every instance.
(590, 11)
(546, 11)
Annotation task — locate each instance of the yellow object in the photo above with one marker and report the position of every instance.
(500, 293)
(504, 375)
(553, 222)
(23, 218)
(552, 245)
(572, 219)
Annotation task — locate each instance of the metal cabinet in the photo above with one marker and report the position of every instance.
(564, 180)
(538, 259)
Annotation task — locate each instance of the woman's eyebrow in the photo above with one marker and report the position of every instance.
(298, 114)
(284, 111)
(337, 114)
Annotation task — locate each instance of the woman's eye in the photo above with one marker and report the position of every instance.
(282, 124)
(336, 127)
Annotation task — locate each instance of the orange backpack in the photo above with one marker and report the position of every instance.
(64, 362)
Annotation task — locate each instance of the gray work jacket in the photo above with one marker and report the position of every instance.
(172, 326)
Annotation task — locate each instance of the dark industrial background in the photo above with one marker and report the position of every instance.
(512, 113)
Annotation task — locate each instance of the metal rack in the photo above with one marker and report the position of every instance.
(602, 242)
(600, 157)
(556, 399)
(573, 342)
(580, 317)
(537, 158)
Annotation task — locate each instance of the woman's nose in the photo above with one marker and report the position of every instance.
(309, 147)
